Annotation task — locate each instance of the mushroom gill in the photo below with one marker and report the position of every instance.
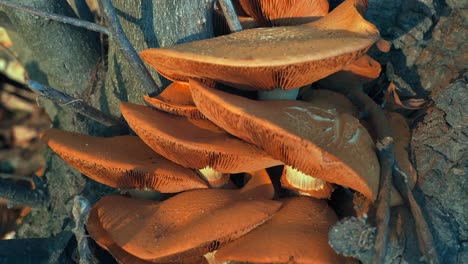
(297, 233)
(123, 162)
(176, 99)
(285, 13)
(189, 224)
(270, 58)
(195, 143)
(320, 143)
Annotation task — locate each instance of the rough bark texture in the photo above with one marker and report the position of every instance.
(428, 60)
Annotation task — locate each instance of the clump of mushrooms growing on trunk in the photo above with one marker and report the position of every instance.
(209, 149)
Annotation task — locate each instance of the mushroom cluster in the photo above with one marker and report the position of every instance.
(208, 146)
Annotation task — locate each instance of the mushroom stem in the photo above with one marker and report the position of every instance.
(278, 94)
(214, 178)
(305, 184)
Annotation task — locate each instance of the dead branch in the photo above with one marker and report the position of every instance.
(76, 105)
(63, 19)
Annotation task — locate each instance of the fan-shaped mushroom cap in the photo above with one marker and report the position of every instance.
(176, 99)
(269, 58)
(122, 162)
(101, 237)
(285, 13)
(188, 224)
(194, 143)
(320, 143)
(297, 233)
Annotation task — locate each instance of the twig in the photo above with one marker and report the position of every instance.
(118, 36)
(63, 19)
(230, 15)
(425, 239)
(80, 212)
(386, 157)
(19, 194)
(74, 104)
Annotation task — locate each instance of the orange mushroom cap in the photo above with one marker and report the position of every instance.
(320, 143)
(99, 234)
(176, 99)
(122, 162)
(270, 58)
(194, 143)
(189, 224)
(285, 13)
(297, 233)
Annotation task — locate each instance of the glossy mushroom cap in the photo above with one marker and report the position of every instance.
(285, 13)
(189, 224)
(123, 162)
(321, 143)
(270, 58)
(194, 143)
(176, 99)
(297, 233)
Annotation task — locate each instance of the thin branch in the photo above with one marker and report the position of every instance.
(20, 194)
(76, 105)
(425, 239)
(81, 208)
(230, 15)
(118, 36)
(63, 19)
(386, 157)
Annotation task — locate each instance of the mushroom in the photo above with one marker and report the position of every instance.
(121, 162)
(285, 13)
(176, 99)
(102, 238)
(328, 146)
(195, 143)
(272, 58)
(189, 224)
(297, 233)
